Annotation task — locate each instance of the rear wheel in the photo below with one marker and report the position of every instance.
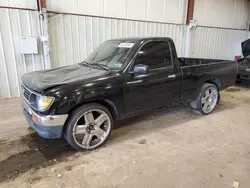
(89, 127)
(207, 99)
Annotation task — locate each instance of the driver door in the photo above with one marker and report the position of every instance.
(160, 86)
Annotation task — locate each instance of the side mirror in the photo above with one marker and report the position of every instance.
(140, 69)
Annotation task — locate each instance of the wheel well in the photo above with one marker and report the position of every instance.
(106, 104)
(216, 82)
(110, 106)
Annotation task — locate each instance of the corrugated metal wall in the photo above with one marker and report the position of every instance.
(217, 43)
(213, 13)
(13, 24)
(222, 13)
(170, 11)
(73, 37)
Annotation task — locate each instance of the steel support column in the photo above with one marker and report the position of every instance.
(190, 11)
(189, 17)
(44, 35)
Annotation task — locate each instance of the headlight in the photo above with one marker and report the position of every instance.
(44, 102)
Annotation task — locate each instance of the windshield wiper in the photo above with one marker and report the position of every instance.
(84, 63)
(100, 65)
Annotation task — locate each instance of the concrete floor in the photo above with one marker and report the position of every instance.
(170, 147)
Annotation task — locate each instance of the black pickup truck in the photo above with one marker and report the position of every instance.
(121, 78)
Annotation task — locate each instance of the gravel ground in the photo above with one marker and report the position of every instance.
(169, 147)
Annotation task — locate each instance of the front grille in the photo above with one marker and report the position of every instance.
(26, 92)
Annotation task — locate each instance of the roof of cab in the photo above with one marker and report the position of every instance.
(136, 39)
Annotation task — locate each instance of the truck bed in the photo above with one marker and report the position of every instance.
(197, 61)
(195, 72)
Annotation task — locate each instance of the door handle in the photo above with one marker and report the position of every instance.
(172, 76)
(134, 82)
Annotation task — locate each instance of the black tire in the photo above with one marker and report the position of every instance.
(74, 117)
(238, 81)
(198, 102)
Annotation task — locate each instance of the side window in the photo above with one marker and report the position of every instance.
(154, 54)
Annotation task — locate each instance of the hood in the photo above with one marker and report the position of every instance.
(41, 80)
(245, 46)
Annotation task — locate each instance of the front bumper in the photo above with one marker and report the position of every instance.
(50, 126)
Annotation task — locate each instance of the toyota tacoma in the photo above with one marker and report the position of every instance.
(121, 78)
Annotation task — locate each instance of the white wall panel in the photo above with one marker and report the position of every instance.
(137, 9)
(174, 11)
(217, 43)
(222, 13)
(73, 38)
(92, 7)
(31, 4)
(168, 11)
(114, 8)
(155, 10)
(13, 24)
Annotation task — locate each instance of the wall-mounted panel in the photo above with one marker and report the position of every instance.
(167, 11)
(217, 43)
(13, 64)
(222, 13)
(30, 4)
(73, 38)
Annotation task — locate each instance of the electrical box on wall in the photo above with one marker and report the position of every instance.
(29, 45)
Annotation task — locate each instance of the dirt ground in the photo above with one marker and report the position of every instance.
(170, 147)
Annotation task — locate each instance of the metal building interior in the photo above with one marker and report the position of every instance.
(165, 148)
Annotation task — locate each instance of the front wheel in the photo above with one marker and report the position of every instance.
(88, 127)
(207, 98)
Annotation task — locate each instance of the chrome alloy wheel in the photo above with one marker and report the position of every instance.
(209, 100)
(92, 129)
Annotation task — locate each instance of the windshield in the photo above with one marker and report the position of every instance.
(111, 54)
